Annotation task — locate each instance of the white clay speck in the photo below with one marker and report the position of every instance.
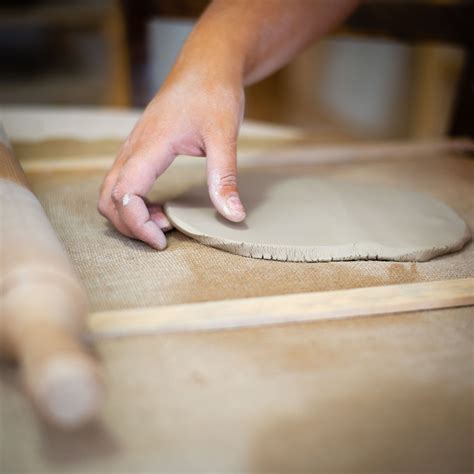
(126, 200)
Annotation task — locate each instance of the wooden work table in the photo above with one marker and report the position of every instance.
(380, 392)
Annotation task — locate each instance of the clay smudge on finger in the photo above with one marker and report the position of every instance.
(230, 205)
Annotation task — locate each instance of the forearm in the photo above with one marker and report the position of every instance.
(250, 39)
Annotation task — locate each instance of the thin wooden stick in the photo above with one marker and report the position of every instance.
(295, 308)
(43, 307)
(318, 153)
(294, 154)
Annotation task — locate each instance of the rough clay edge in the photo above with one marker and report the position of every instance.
(311, 254)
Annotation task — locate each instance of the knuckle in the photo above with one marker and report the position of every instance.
(117, 195)
(228, 180)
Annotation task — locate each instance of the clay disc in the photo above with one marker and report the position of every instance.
(311, 219)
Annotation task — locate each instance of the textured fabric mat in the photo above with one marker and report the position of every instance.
(121, 273)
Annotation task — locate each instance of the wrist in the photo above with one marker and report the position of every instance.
(212, 54)
(209, 74)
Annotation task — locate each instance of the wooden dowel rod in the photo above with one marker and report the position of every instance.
(284, 309)
(43, 306)
(320, 154)
(283, 155)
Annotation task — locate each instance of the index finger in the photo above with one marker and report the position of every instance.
(135, 180)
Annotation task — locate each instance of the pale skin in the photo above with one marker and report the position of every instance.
(199, 108)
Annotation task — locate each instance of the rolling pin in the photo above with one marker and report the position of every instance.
(42, 306)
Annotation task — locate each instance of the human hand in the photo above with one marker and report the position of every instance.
(199, 109)
(197, 115)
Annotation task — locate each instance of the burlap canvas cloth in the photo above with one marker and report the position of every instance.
(379, 394)
(121, 273)
(368, 395)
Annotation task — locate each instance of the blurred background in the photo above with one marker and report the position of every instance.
(394, 70)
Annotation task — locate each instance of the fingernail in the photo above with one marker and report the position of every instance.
(153, 235)
(160, 242)
(160, 219)
(234, 206)
(164, 222)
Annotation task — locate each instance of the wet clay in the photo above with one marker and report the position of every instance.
(309, 219)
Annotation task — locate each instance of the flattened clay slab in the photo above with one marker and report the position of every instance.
(308, 219)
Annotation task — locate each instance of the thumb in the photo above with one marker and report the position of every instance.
(222, 179)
